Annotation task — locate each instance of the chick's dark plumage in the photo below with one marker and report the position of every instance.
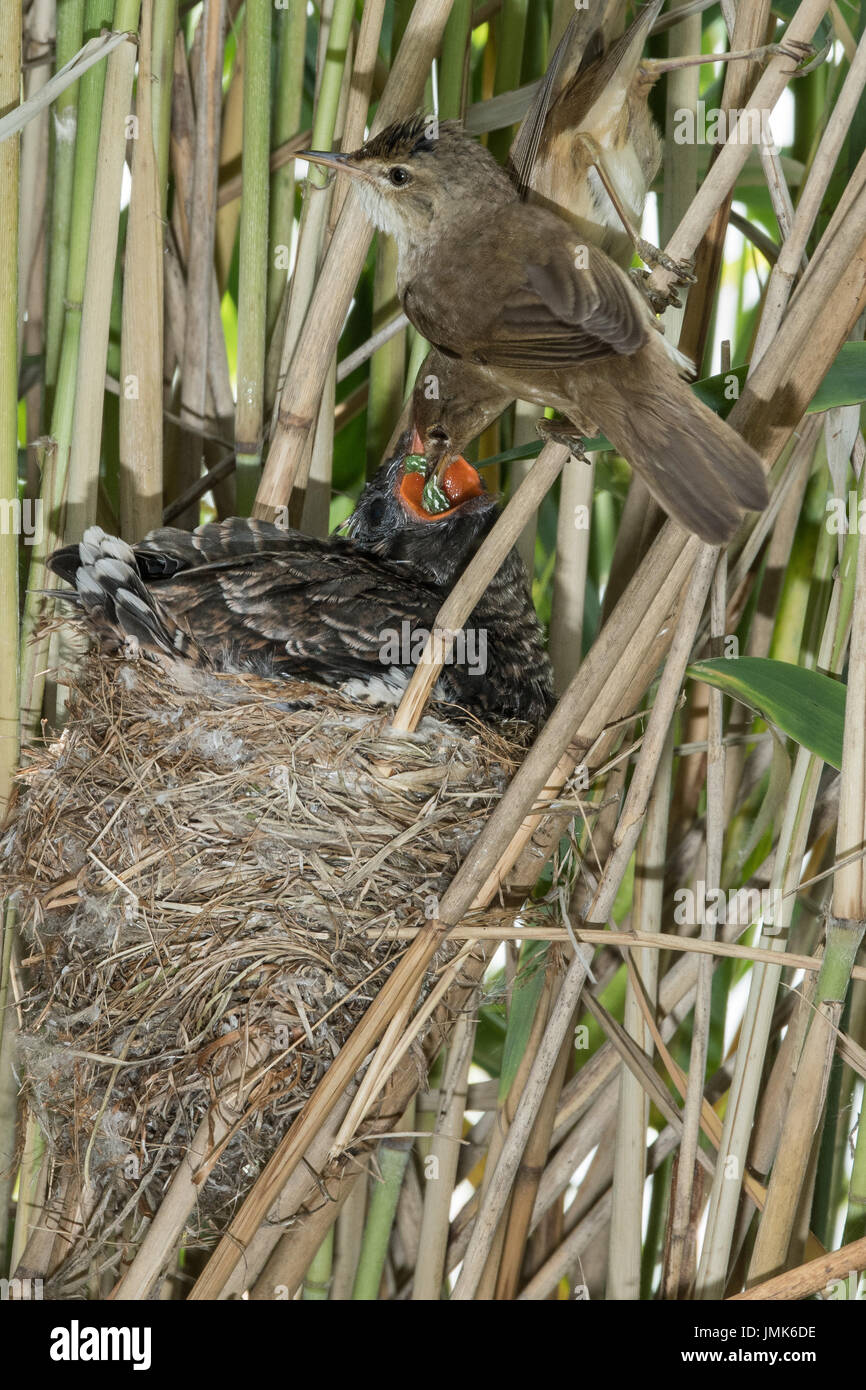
(348, 611)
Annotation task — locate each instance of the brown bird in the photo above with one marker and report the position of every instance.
(589, 128)
(589, 147)
(591, 104)
(351, 611)
(514, 290)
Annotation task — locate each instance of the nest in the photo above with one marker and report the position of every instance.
(199, 868)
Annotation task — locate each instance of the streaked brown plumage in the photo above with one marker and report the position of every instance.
(244, 594)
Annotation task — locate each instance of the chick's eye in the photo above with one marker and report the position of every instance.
(399, 176)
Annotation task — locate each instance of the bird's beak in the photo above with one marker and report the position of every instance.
(329, 160)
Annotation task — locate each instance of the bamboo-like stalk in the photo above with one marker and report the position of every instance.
(572, 563)
(253, 265)
(392, 1155)
(141, 344)
(202, 217)
(311, 498)
(317, 1279)
(70, 30)
(531, 1000)
(183, 477)
(810, 1278)
(232, 151)
(32, 1179)
(624, 1271)
(85, 443)
(289, 91)
(510, 36)
(527, 1108)
(440, 1164)
(629, 1165)
(33, 198)
(454, 61)
(598, 936)
(163, 30)
(349, 1232)
(747, 27)
(314, 214)
(316, 513)
(527, 1178)
(679, 1273)
(97, 15)
(855, 1216)
(388, 365)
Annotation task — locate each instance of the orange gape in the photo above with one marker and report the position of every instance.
(460, 482)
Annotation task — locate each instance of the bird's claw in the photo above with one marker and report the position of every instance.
(683, 271)
(799, 53)
(562, 432)
(658, 300)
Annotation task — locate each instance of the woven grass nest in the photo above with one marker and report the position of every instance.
(198, 867)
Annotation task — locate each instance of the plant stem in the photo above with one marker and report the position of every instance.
(141, 344)
(454, 61)
(70, 30)
(318, 1276)
(291, 36)
(253, 271)
(511, 32)
(393, 1155)
(97, 16)
(163, 31)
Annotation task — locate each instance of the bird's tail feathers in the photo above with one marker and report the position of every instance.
(116, 603)
(697, 467)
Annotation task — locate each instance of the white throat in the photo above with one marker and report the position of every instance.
(381, 213)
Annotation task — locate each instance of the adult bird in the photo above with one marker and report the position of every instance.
(351, 611)
(514, 290)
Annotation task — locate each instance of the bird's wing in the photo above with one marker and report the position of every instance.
(569, 309)
(583, 69)
(166, 551)
(313, 610)
(607, 75)
(581, 46)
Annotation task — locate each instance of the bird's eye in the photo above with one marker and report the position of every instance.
(399, 176)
